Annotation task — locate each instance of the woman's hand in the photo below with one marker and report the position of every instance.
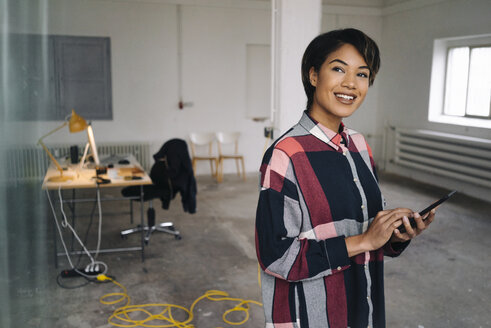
(383, 226)
(379, 232)
(422, 224)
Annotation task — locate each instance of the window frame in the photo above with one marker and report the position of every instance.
(441, 49)
(40, 87)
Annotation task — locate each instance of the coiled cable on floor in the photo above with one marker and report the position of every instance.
(121, 316)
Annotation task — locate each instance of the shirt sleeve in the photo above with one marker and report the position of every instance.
(394, 249)
(282, 250)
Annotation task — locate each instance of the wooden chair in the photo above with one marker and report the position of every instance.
(198, 142)
(224, 139)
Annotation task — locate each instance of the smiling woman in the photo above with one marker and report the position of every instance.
(341, 85)
(321, 227)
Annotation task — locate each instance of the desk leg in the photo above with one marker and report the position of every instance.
(142, 217)
(131, 211)
(53, 230)
(72, 211)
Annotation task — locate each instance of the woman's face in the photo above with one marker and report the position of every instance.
(341, 86)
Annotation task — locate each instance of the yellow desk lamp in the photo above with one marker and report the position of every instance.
(75, 124)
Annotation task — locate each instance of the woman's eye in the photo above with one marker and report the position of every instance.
(365, 75)
(338, 69)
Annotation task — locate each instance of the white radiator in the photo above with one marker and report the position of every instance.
(459, 157)
(141, 151)
(29, 163)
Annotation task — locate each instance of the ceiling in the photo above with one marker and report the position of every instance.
(360, 3)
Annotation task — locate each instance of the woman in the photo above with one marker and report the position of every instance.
(321, 227)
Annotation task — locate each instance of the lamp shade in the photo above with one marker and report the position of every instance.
(76, 123)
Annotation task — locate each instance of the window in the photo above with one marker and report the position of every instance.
(461, 82)
(49, 75)
(468, 82)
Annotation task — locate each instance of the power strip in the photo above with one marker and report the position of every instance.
(72, 273)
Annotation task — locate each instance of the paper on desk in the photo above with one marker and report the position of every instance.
(130, 171)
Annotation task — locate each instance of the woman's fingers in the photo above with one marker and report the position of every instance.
(420, 224)
(430, 217)
(383, 212)
(395, 218)
(401, 236)
(397, 212)
(382, 227)
(409, 234)
(409, 229)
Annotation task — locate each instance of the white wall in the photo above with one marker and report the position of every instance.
(144, 42)
(407, 45)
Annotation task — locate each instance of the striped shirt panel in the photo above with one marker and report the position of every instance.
(318, 187)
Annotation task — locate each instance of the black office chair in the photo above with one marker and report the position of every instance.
(171, 173)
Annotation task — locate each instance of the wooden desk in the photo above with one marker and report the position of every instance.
(83, 178)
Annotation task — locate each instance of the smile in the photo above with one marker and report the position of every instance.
(344, 96)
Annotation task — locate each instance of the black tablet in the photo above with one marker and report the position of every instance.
(402, 228)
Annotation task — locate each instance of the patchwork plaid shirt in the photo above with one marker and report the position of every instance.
(318, 187)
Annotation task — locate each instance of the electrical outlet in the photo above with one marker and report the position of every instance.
(268, 132)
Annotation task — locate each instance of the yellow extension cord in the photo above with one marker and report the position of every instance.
(121, 316)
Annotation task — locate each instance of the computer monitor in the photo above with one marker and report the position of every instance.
(91, 143)
(93, 146)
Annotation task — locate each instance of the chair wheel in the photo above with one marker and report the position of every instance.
(178, 237)
(146, 242)
(124, 237)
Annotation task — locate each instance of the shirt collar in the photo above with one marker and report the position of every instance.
(323, 133)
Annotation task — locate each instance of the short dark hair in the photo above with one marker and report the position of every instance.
(320, 47)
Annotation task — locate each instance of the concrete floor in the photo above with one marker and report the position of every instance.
(441, 280)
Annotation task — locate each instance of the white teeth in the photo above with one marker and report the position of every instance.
(344, 96)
